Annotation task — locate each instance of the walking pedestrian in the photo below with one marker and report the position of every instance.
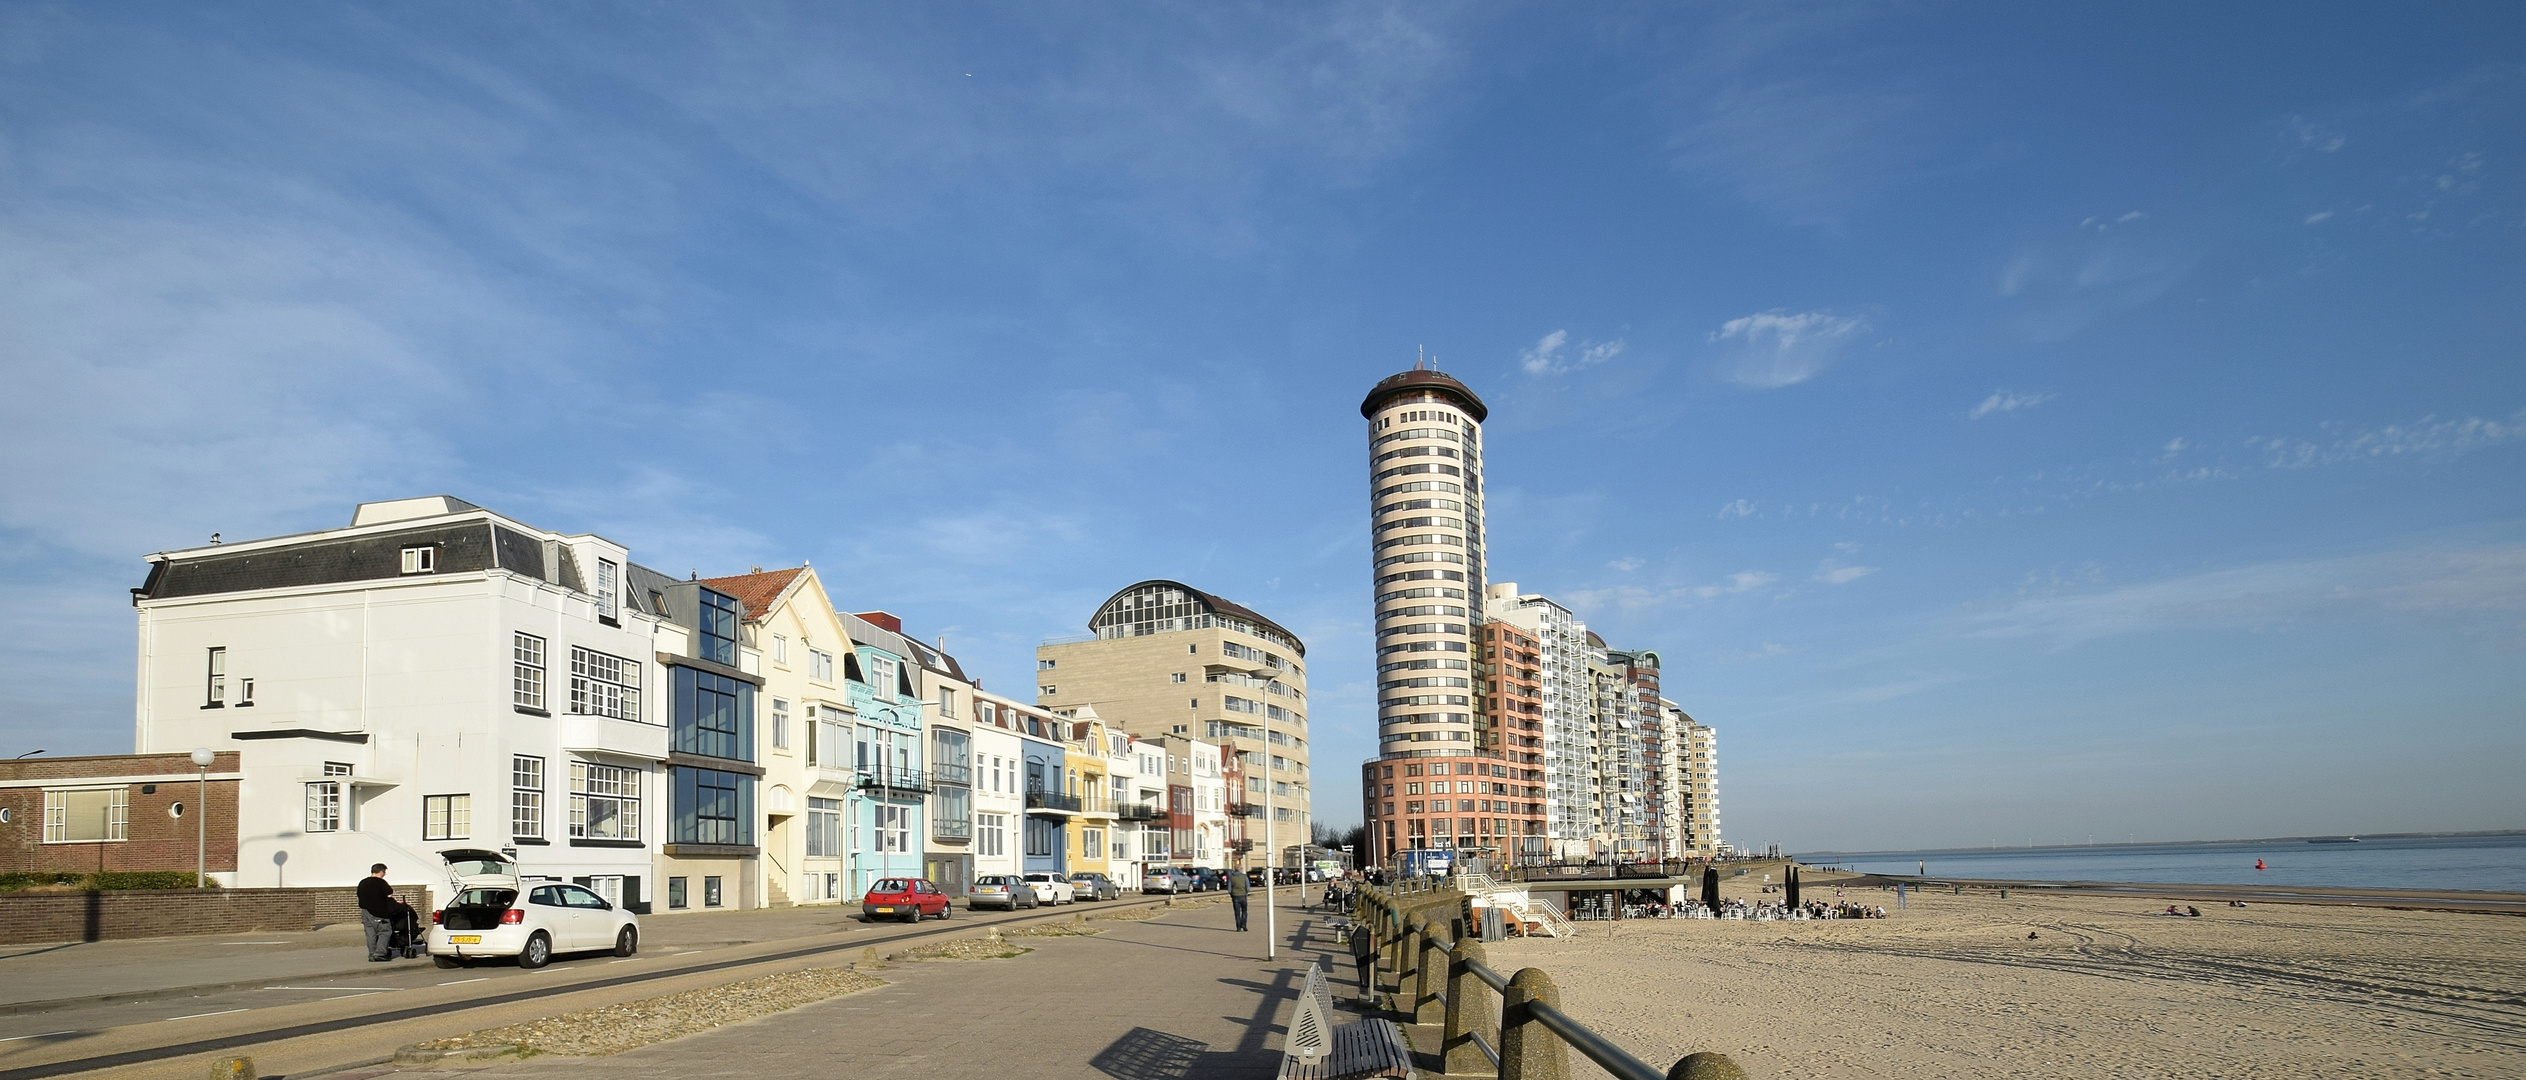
(1236, 896)
(377, 913)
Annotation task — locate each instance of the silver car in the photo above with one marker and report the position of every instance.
(1007, 891)
(1096, 886)
(1166, 879)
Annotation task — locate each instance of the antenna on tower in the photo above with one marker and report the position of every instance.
(1422, 363)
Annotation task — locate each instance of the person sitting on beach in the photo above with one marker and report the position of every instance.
(2192, 911)
(2170, 909)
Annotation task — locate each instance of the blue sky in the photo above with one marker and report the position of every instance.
(2008, 423)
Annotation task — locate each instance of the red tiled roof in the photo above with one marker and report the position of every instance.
(758, 592)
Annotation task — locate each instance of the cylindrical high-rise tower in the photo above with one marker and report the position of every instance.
(1426, 544)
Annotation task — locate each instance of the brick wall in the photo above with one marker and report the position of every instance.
(43, 918)
(155, 840)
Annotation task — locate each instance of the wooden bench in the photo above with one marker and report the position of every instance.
(1317, 1049)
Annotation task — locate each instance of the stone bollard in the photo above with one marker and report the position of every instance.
(869, 960)
(1468, 1012)
(235, 1068)
(1431, 971)
(1705, 1066)
(1077, 919)
(1528, 1049)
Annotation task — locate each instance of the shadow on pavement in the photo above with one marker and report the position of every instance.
(1145, 1054)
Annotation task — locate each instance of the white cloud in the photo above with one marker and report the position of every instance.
(1832, 573)
(1546, 357)
(2305, 134)
(1738, 509)
(1774, 349)
(2320, 215)
(2430, 438)
(1741, 581)
(2008, 401)
(1765, 651)
(1639, 597)
(1627, 563)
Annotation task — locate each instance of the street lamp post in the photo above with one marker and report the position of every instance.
(202, 759)
(1271, 872)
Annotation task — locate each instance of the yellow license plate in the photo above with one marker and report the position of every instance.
(464, 939)
(887, 910)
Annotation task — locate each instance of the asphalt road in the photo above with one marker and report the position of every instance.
(295, 1027)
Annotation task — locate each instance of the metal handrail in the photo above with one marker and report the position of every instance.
(1612, 1058)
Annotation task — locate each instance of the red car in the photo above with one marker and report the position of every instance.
(909, 899)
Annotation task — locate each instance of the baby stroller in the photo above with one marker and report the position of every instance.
(404, 936)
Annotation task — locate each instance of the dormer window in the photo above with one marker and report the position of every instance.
(718, 626)
(606, 572)
(421, 560)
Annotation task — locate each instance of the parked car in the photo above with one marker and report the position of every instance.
(909, 899)
(1166, 879)
(1254, 877)
(1208, 879)
(1052, 888)
(1001, 891)
(485, 917)
(1096, 886)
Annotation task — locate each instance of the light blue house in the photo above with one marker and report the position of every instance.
(882, 826)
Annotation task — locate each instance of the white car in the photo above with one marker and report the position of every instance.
(498, 913)
(1053, 889)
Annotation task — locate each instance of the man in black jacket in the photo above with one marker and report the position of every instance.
(377, 913)
(1237, 892)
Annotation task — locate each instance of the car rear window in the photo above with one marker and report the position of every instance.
(890, 885)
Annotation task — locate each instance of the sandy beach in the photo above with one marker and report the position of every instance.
(1953, 987)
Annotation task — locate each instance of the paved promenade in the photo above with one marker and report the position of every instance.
(1178, 996)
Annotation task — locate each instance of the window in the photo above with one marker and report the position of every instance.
(1091, 842)
(946, 701)
(676, 896)
(602, 685)
(717, 621)
(324, 806)
(1177, 677)
(447, 817)
(881, 675)
(215, 689)
(526, 671)
(421, 560)
(604, 802)
(526, 797)
(712, 807)
(245, 692)
(1045, 665)
(780, 649)
(820, 665)
(991, 834)
(1043, 837)
(713, 715)
(72, 817)
(951, 756)
(780, 723)
(894, 828)
(824, 828)
(606, 588)
(1048, 690)
(710, 892)
(954, 819)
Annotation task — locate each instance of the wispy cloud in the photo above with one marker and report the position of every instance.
(2440, 583)
(1738, 509)
(1776, 348)
(1833, 573)
(2430, 438)
(2002, 401)
(1643, 597)
(1548, 355)
(1765, 651)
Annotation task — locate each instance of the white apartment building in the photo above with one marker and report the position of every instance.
(999, 792)
(433, 676)
(1571, 792)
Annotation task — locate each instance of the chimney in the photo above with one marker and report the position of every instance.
(882, 620)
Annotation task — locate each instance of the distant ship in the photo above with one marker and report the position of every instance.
(2334, 840)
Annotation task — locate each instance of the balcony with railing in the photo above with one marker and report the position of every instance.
(1052, 801)
(959, 775)
(944, 828)
(1140, 811)
(1245, 810)
(895, 781)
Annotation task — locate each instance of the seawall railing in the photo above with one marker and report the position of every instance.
(1510, 1026)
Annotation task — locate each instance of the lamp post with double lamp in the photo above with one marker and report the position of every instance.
(202, 759)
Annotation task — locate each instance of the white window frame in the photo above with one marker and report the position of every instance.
(780, 723)
(215, 677)
(324, 806)
(819, 665)
(423, 559)
(526, 797)
(780, 649)
(527, 670)
(118, 815)
(593, 782)
(602, 684)
(607, 573)
(447, 817)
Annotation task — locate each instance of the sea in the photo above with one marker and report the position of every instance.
(2483, 863)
